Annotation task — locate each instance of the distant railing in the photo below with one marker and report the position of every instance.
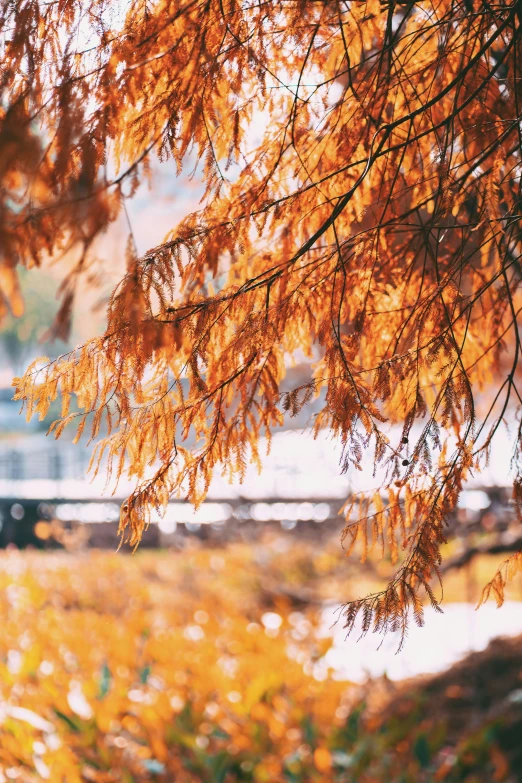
(50, 482)
(54, 463)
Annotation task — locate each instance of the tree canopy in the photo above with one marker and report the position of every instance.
(362, 163)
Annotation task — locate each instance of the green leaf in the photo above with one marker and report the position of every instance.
(154, 766)
(421, 749)
(309, 730)
(220, 733)
(105, 681)
(69, 721)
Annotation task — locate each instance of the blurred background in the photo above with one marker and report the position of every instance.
(216, 652)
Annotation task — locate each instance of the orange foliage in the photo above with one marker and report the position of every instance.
(171, 676)
(371, 224)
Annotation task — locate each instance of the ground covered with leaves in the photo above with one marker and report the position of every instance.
(192, 666)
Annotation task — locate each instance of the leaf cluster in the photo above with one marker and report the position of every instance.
(372, 225)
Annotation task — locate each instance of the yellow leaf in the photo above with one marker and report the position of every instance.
(322, 759)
